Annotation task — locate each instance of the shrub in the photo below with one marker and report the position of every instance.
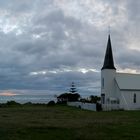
(51, 103)
(28, 103)
(12, 103)
(72, 97)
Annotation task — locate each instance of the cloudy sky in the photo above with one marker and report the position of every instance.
(47, 44)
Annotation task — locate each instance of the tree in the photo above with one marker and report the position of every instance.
(73, 88)
(94, 99)
(72, 96)
(51, 103)
(63, 98)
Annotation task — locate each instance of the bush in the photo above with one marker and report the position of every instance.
(65, 97)
(94, 99)
(12, 103)
(28, 103)
(51, 103)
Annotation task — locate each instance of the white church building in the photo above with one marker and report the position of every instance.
(118, 90)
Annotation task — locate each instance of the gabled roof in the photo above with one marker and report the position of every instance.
(108, 61)
(127, 81)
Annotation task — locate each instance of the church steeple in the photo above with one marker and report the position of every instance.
(108, 61)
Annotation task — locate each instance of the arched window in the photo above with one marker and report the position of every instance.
(134, 98)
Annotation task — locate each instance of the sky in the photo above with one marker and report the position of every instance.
(48, 44)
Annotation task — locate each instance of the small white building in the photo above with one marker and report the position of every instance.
(118, 90)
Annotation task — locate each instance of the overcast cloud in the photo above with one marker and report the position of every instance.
(47, 44)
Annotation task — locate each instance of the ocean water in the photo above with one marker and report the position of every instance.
(24, 96)
(33, 96)
(28, 98)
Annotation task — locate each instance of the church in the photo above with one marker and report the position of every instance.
(119, 91)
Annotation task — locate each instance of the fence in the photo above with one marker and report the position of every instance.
(88, 106)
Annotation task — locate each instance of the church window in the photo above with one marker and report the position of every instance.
(102, 82)
(134, 98)
(103, 98)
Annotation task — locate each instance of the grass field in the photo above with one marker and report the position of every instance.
(67, 123)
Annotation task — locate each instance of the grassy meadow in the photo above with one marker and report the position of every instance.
(41, 122)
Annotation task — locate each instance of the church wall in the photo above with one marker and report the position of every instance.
(108, 85)
(127, 100)
(108, 76)
(115, 96)
(117, 91)
(119, 96)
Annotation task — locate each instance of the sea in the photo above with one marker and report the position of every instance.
(25, 96)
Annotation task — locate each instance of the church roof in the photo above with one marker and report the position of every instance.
(127, 81)
(108, 61)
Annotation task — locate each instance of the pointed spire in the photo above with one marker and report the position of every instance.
(108, 61)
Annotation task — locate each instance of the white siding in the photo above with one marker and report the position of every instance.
(128, 100)
(109, 84)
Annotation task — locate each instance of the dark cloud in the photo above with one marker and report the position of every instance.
(47, 44)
